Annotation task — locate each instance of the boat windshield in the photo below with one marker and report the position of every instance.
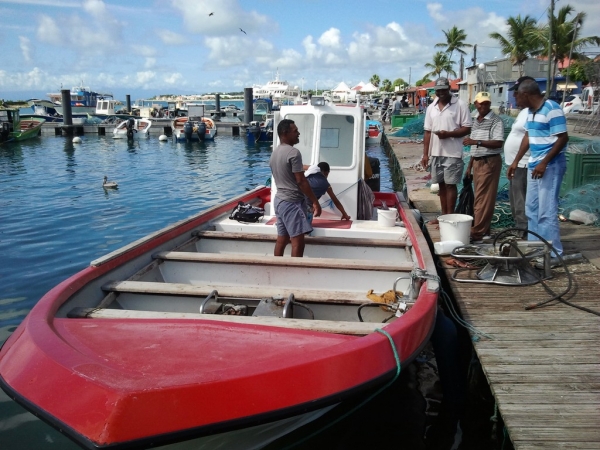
(336, 143)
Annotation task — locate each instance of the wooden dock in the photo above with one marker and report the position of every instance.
(542, 365)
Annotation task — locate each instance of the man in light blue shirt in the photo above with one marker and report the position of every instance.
(547, 138)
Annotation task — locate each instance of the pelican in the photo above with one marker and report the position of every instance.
(109, 184)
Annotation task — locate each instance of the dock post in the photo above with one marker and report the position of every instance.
(128, 103)
(248, 111)
(67, 112)
(218, 103)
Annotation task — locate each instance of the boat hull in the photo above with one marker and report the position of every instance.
(150, 389)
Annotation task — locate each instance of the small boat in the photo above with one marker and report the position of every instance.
(14, 129)
(193, 128)
(374, 132)
(196, 333)
(133, 129)
(260, 131)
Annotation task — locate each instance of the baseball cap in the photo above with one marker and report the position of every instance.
(515, 86)
(482, 97)
(441, 83)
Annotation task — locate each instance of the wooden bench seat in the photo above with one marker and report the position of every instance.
(329, 326)
(310, 240)
(250, 292)
(324, 263)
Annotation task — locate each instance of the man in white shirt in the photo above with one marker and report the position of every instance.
(447, 121)
(517, 190)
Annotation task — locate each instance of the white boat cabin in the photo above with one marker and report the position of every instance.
(333, 134)
(106, 107)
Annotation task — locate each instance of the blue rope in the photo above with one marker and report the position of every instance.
(476, 334)
(364, 402)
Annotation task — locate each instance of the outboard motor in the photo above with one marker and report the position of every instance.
(130, 126)
(253, 132)
(375, 181)
(188, 130)
(201, 131)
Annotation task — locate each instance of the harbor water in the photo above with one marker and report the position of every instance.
(56, 217)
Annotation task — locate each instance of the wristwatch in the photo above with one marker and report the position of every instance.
(478, 143)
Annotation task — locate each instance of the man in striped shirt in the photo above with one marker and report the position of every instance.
(547, 139)
(486, 140)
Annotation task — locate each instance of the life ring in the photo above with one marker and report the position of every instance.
(209, 122)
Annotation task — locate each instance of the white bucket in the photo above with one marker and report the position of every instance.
(455, 227)
(387, 217)
(445, 247)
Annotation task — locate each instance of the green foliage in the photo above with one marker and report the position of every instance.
(521, 41)
(577, 70)
(455, 41)
(386, 85)
(375, 80)
(399, 82)
(441, 63)
(423, 81)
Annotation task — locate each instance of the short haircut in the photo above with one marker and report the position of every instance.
(324, 167)
(529, 87)
(284, 126)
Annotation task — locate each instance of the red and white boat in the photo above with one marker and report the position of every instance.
(194, 127)
(374, 132)
(196, 332)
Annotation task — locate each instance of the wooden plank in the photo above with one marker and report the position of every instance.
(310, 240)
(305, 295)
(328, 326)
(323, 263)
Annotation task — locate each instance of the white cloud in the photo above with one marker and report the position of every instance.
(331, 38)
(171, 38)
(25, 45)
(228, 16)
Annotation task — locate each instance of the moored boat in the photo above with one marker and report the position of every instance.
(13, 128)
(374, 132)
(194, 127)
(260, 131)
(196, 332)
(133, 129)
(83, 100)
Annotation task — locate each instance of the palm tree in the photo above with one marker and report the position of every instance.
(386, 85)
(564, 37)
(374, 80)
(521, 42)
(441, 63)
(455, 40)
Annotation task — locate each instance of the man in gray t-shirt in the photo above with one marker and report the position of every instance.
(292, 190)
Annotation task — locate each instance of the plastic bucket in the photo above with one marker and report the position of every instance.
(455, 227)
(387, 217)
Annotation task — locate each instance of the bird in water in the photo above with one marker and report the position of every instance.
(243, 31)
(109, 184)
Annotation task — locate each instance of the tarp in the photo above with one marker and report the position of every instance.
(342, 87)
(369, 88)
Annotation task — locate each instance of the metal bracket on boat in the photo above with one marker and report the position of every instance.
(416, 278)
(214, 294)
(288, 309)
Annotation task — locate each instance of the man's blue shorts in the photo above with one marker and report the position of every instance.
(292, 218)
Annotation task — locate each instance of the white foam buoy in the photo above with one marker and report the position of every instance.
(77, 140)
(163, 137)
(435, 188)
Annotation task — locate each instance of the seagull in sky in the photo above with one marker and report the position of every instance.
(211, 14)
(243, 31)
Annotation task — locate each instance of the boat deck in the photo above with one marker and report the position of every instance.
(542, 365)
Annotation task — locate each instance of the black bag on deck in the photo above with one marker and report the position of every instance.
(245, 212)
(466, 198)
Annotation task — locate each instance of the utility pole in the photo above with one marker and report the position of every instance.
(461, 67)
(475, 55)
(549, 80)
(409, 74)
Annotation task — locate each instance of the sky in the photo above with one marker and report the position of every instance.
(151, 47)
